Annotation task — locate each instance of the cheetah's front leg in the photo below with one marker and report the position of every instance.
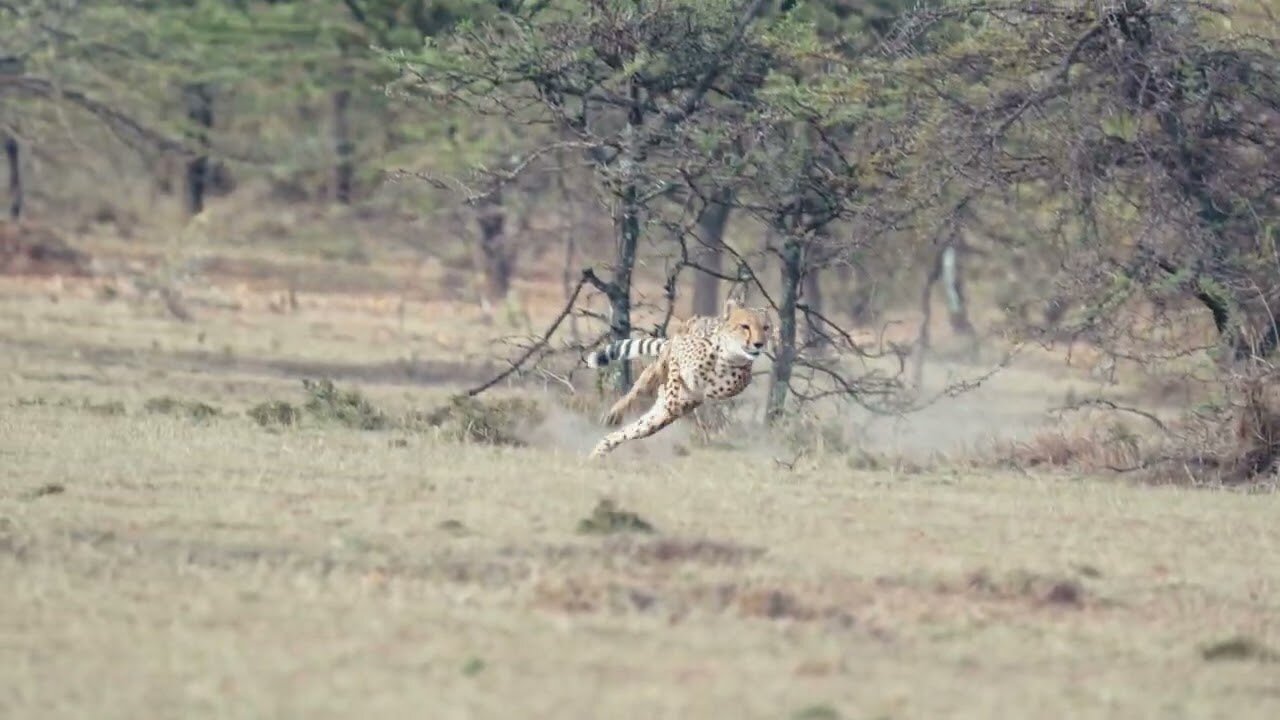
(664, 412)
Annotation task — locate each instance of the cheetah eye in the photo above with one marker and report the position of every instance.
(745, 326)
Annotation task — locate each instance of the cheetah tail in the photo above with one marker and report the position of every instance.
(625, 350)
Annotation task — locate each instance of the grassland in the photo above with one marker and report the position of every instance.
(160, 562)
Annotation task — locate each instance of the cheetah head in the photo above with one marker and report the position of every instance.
(744, 331)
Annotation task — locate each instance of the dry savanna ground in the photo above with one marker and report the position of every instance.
(166, 555)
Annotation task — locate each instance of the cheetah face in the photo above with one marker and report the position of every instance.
(745, 331)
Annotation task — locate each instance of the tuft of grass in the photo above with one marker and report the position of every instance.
(274, 413)
(111, 408)
(348, 408)
(473, 666)
(468, 419)
(194, 409)
(1044, 589)
(43, 491)
(1239, 647)
(608, 519)
(1095, 449)
(462, 419)
(453, 527)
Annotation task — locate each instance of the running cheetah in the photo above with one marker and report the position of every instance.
(705, 358)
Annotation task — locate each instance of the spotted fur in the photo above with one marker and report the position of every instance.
(704, 358)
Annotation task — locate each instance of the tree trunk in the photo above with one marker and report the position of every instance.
(862, 308)
(620, 299)
(926, 317)
(15, 177)
(199, 101)
(628, 225)
(494, 256)
(953, 286)
(343, 147)
(784, 358)
(711, 225)
(1054, 310)
(814, 336)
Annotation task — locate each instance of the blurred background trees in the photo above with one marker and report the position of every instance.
(1076, 171)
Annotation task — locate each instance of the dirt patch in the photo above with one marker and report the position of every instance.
(678, 600)
(34, 250)
(839, 603)
(673, 550)
(1035, 587)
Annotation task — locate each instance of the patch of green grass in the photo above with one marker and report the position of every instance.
(607, 519)
(348, 408)
(500, 421)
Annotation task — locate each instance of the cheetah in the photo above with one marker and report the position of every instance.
(703, 358)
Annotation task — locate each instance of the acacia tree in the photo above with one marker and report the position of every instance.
(826, 158)
(624, 83)
(1135, 142)
(1144, 119)
(151, 73)
(711, 225)
(50, 64)
(689, 105)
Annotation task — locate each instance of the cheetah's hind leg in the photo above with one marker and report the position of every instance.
(662, 414)
(645, 385)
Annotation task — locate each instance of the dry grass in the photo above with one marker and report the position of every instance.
(165, 555)
(204, 569)
(1091, 448)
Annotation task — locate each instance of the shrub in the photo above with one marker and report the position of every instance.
(348, 408)
(468, 419)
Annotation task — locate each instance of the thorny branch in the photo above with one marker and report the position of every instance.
(1112, 405)
(587, 276)
(113, 118)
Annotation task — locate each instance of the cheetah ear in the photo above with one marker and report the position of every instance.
(729, 306)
